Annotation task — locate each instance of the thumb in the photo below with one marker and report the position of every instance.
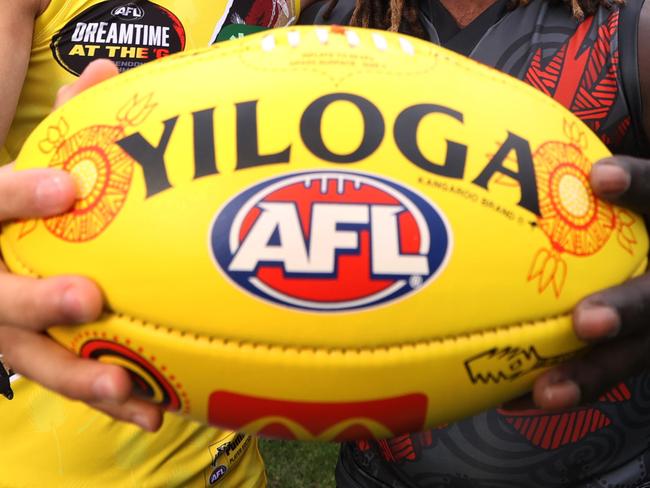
(96, 72)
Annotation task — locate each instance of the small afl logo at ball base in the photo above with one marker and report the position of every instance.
(330, 241)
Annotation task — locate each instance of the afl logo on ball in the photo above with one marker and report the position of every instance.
(330, 241)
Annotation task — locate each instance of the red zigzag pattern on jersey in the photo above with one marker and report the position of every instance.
(584, 79)
(406, 447)
(551, 431)
(546, 431)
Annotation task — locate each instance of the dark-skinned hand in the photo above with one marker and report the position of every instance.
(614, 322)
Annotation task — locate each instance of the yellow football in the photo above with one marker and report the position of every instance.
(326, 233)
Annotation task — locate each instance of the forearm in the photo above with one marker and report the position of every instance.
(16, 29)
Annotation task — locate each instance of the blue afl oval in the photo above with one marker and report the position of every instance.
(330, 241)
(218, 473)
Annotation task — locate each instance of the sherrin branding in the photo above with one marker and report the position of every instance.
(354, 234)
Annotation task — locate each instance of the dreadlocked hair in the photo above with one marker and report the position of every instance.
(402, 15)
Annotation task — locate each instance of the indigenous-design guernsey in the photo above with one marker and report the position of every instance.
(71, 34)
(590, 67)
(47, 440)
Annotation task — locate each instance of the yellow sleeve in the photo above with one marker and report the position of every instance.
(47, 437)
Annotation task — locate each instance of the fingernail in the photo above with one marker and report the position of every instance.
(556, 377)
(50, 191)
(143, 421)
(609, 179)
(73, 307)
(564, 394)
(596, 323)
(104, 388)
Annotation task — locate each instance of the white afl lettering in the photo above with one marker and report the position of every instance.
(124, 11)
(281, 219)
(330, 241)
(386, 256)
(128, 12)
(327, 238)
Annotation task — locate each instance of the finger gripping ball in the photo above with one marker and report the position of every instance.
(333, 234)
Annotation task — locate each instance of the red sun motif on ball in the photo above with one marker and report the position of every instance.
(101, 169)
(103, 174)
(573, 219)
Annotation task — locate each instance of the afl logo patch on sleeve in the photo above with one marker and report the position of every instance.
(226, 454)
(330, 241)
(130, 11)
(127, 33)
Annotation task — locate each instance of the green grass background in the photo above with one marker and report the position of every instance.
(292, 464)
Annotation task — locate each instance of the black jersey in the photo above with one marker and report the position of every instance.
(591, 68)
